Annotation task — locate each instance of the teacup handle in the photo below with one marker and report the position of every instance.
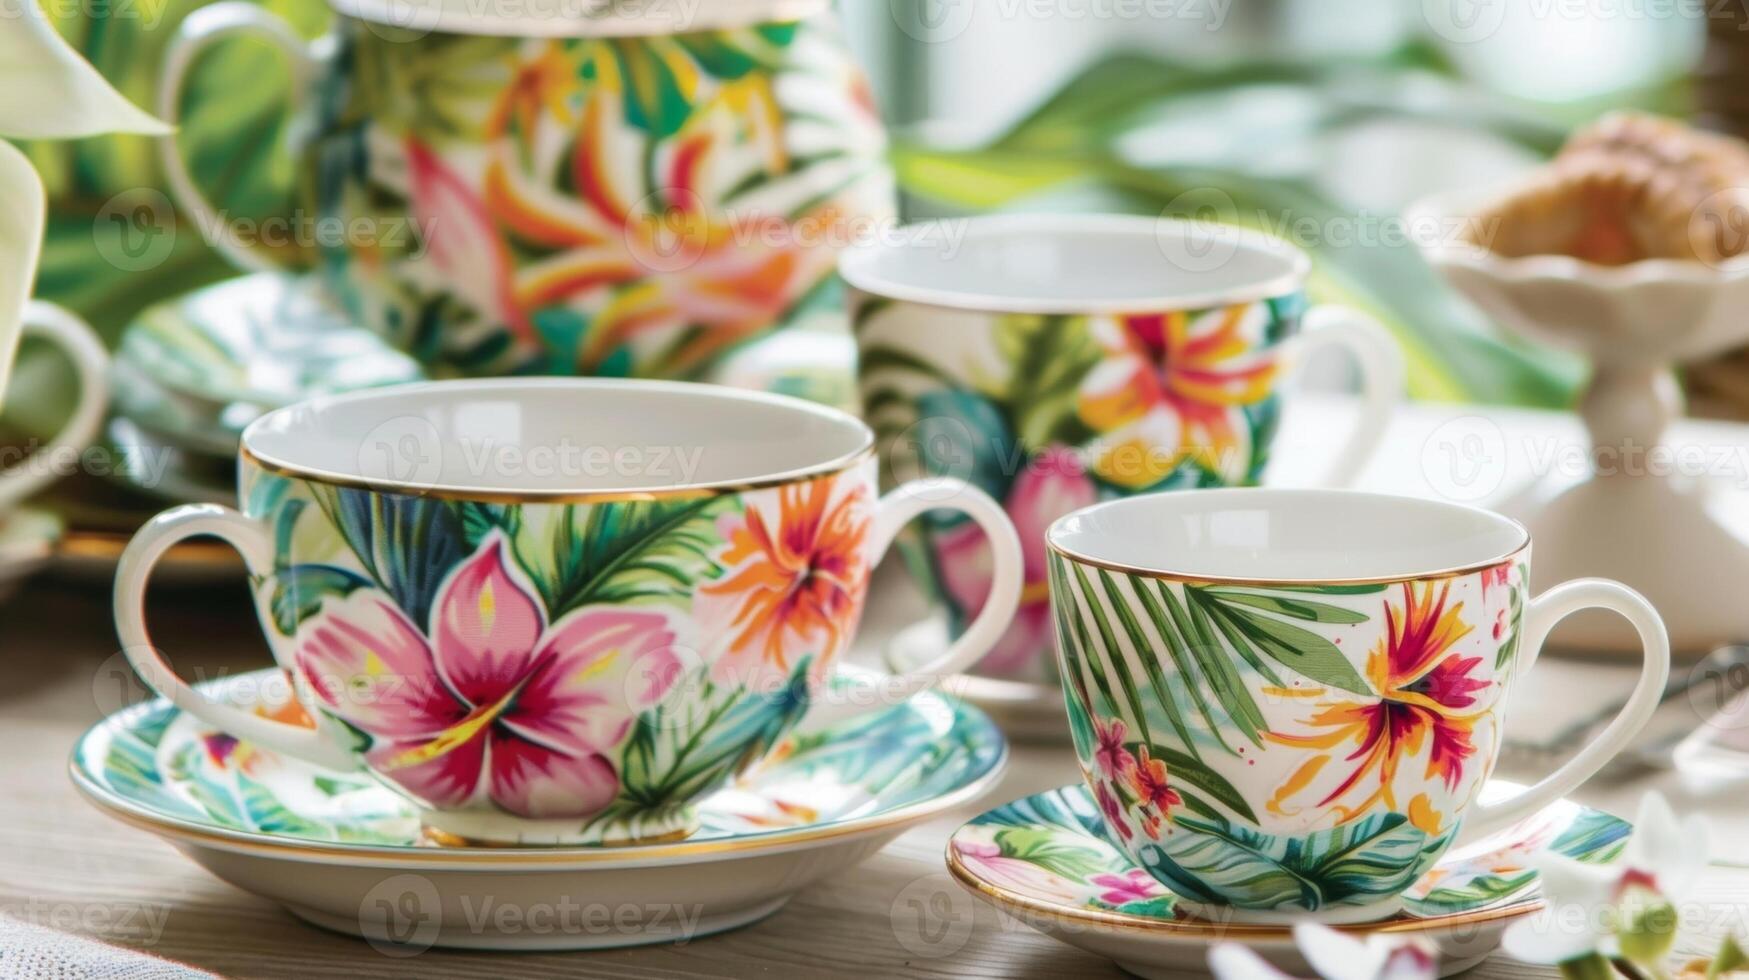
(251, 540)
(1544, 612)
(899, 507)
(75, 338)
(1380, 360)
(198, 31)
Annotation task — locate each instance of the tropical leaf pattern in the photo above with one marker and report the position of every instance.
(593, 661)
(156, 757)
(1362, 862)
(1049, 413)
(1056, 848)
(654, 206)
(1284, 746)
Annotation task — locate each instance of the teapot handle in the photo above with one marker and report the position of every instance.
(199, 31)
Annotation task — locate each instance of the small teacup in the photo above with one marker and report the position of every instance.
(1286, 702)
(557, 611)
(1056, 360)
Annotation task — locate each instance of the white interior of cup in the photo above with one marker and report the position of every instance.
(1287, 536)
(1061, 263)
(557, 436)
(570, 18)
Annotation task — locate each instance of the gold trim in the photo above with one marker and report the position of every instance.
(1022, 907)
(556, 858)
(1266, 583)
(832, 468)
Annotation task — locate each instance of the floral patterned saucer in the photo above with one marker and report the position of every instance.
(343, 852)
(1045, 860)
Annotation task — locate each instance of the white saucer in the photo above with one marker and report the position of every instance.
(344, 853)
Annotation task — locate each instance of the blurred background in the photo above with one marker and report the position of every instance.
(1315, 119)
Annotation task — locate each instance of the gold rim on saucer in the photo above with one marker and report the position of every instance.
(1203, 929)
(555, 858)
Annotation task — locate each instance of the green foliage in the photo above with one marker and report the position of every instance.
(1207, 637)
(1087, 136)
(407, 544)
(1362, 861)
(617, 552)
(683, 747)
(1244, 618)
(1050, 355)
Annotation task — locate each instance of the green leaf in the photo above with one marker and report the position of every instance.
(1139, 641)
(1177, 649)
(1114, 662)
(1730, 957)
(1228, 686)
(621, 552)
(1049, 355)
(683, 748)
(1316, 612)
(1591, 966)
(1361, 861)
(299, 591)
(408, 544)
(1184, 769)
(1048, 849)
(1298, 649)
(1476, 893)
(1096, 136)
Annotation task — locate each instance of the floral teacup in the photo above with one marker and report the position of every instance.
(623, 190)
(557, 611)
(1057, 360)
(1286, 702)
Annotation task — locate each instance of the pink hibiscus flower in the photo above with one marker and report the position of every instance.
(491, 704)
(1053, 485)
(1134, 885)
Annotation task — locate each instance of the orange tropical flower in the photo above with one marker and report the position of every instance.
(795, 579)
(1172, 387)
(661, 241)
(1425, 704)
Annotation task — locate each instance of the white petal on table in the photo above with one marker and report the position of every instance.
(22, 207)
(47, 91)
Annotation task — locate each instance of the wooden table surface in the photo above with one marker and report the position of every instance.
(63, 864)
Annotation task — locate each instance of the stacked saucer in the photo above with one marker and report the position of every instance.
(191, 373)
